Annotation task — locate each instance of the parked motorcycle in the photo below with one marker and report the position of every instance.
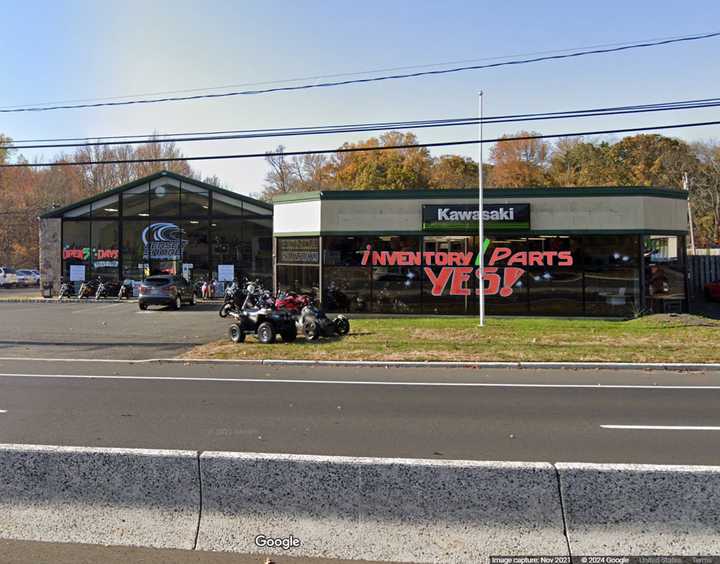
(126, 290)
(88, 289)
(67, 289)
(233, 299)
(105, 289)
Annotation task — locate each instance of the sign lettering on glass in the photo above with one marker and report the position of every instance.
(302, 251)
(456, 268)
(86, 253)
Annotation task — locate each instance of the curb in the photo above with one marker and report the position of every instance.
(677, 366)
(682, 366)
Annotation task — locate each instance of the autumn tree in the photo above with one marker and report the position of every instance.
(520, 162)
(705, 194)
(391, 169)
(453, 171)
(575, 162)
(651, 160)
(27, 192)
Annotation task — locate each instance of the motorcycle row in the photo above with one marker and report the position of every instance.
(256, 311)
(97, 288)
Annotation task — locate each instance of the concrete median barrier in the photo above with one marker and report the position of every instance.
(99, 496)
(379, 509)
(627, 509)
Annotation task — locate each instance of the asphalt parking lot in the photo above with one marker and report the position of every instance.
(102, 330)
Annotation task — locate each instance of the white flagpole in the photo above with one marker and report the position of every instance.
(481, 233)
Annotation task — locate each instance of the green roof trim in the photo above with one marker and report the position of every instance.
(60, 212)
(518, 232)
(489, 193)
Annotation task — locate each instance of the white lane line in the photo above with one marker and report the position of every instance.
(353, 382)
(3, 410)
(661, 427)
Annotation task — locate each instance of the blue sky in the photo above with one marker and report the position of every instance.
(54, 50)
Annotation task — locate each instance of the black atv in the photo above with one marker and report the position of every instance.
(314, 323)
(258, 316)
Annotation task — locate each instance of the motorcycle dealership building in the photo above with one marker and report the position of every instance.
(615, 251)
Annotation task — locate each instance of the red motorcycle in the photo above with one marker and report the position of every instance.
(292, 302)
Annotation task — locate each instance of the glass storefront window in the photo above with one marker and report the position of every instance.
(135, 264)
(227, 242)
(347, 288)
(76, 247)
(136, 202)
(396, 289)
(297, 278)
(344, 251)
(225, 206)
(447, 302)
(165, 198)
(194, 201)
(554, 289)
(298, 250)
(256, 258)
(664, 272)
(107, 207)
(105, 252)
(195, 263)
(612, 285)
(83, 212)
(517, 302)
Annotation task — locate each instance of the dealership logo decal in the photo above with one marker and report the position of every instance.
(163, 241)
(456, 268)
(461, 217)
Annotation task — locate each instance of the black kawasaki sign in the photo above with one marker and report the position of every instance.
(464, 217)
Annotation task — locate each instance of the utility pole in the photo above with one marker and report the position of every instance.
(481, 233)
(686, 186)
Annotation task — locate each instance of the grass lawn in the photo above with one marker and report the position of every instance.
(656, 338)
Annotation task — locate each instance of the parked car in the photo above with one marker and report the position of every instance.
(712, 291)
(165, 289)
(27, 277)
(8, 277)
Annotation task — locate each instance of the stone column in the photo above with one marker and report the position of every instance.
(50, 252)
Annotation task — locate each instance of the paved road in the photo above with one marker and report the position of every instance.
(418, 413)
(104, 330)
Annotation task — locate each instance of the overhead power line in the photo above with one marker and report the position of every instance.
(418, 74)
(362, 149)
(343, 74)
(367, 127)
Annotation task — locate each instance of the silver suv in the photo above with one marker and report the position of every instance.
(8, 278)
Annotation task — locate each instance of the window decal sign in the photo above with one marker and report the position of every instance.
(464, 217)
(456, 268)
(163, 241)
(101, 258)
